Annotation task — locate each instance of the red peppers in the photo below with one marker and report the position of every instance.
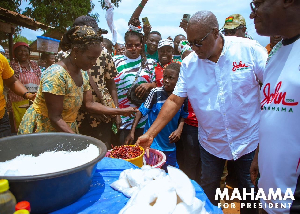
(125, 152)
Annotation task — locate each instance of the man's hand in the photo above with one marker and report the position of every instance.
(254, 170)
(147, 29)
(145, 141)
(129, 111)
(183, 24)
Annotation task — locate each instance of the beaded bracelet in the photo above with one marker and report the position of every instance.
(25, 94)
(141, 5)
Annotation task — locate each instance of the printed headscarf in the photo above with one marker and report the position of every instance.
(183, 46)
(80, 35)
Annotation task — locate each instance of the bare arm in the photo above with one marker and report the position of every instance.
(98, 108)
(129, 139)
(55, 108)
(167, 112)
(17, 87)
(139, 9)
(111, 86)
(175, 135)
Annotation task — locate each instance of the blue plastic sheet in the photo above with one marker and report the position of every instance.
(101, 198)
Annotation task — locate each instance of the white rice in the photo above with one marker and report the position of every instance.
(47, 162)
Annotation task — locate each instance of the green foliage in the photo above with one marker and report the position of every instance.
(59, 13)
(20, 38)
(13, 5)
(114, 2)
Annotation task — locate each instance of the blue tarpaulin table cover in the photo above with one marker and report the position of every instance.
(101, 198)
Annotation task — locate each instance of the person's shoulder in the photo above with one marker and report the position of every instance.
(240, 42)
(119, 57)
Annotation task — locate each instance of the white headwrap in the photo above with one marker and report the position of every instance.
(165, 42)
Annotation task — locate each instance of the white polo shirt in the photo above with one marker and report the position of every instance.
(225, 96)
(279, 143)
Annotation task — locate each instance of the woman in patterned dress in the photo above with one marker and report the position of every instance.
(29, 74)
(65, 86)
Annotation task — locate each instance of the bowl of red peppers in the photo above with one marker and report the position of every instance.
(131, 153)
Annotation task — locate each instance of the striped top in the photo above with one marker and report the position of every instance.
(28, 77)
(127, 70)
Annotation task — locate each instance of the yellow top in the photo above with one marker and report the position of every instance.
(22, 212)
(5, 73)
(4, 186)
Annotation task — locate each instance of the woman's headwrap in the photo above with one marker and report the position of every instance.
(165, 42)
(183, 46)
(80, 35)
(18, 44)
(137, 29)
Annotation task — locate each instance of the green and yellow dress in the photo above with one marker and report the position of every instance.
(55, 80)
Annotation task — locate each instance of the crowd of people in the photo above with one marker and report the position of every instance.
(214, 100)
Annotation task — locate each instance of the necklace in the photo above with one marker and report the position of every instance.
(21, 70)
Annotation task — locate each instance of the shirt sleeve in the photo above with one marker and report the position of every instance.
(54, 82)
(260, 53)
(184, 109)
(180, 88)
(146, 107)
(6, 70)
(86, 81)
(110, 70)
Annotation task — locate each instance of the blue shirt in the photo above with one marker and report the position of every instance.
(151, 107)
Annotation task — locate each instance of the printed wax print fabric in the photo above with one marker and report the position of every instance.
(127, 70)
(25, 76)
(55, 80)
(103, 70)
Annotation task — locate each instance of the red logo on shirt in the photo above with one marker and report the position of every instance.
(239, 66)
(277, 97)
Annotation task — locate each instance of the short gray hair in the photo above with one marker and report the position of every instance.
(205, 18)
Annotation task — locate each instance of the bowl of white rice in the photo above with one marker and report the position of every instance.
(49, 170)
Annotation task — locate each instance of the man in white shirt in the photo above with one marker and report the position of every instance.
(279, 135)
(220, 78)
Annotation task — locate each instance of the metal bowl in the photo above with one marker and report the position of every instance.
(50, 192)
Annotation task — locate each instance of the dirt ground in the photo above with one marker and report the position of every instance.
(231, 207)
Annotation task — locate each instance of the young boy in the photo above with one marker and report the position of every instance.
(165, 140)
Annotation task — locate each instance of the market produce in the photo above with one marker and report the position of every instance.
(156, 192)
(125, 152)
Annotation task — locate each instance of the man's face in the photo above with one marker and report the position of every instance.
(176, 43)
(201, 40)
(152, 43)
(120, 49)
(267, 17)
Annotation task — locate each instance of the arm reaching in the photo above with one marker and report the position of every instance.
(167, 112)
(138, 10)
(98, 108)
(129, 139)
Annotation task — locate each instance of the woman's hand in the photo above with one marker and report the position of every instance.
(142, 89)
(118, 121)
(175, 136)
(129, 112)
(30, 96)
